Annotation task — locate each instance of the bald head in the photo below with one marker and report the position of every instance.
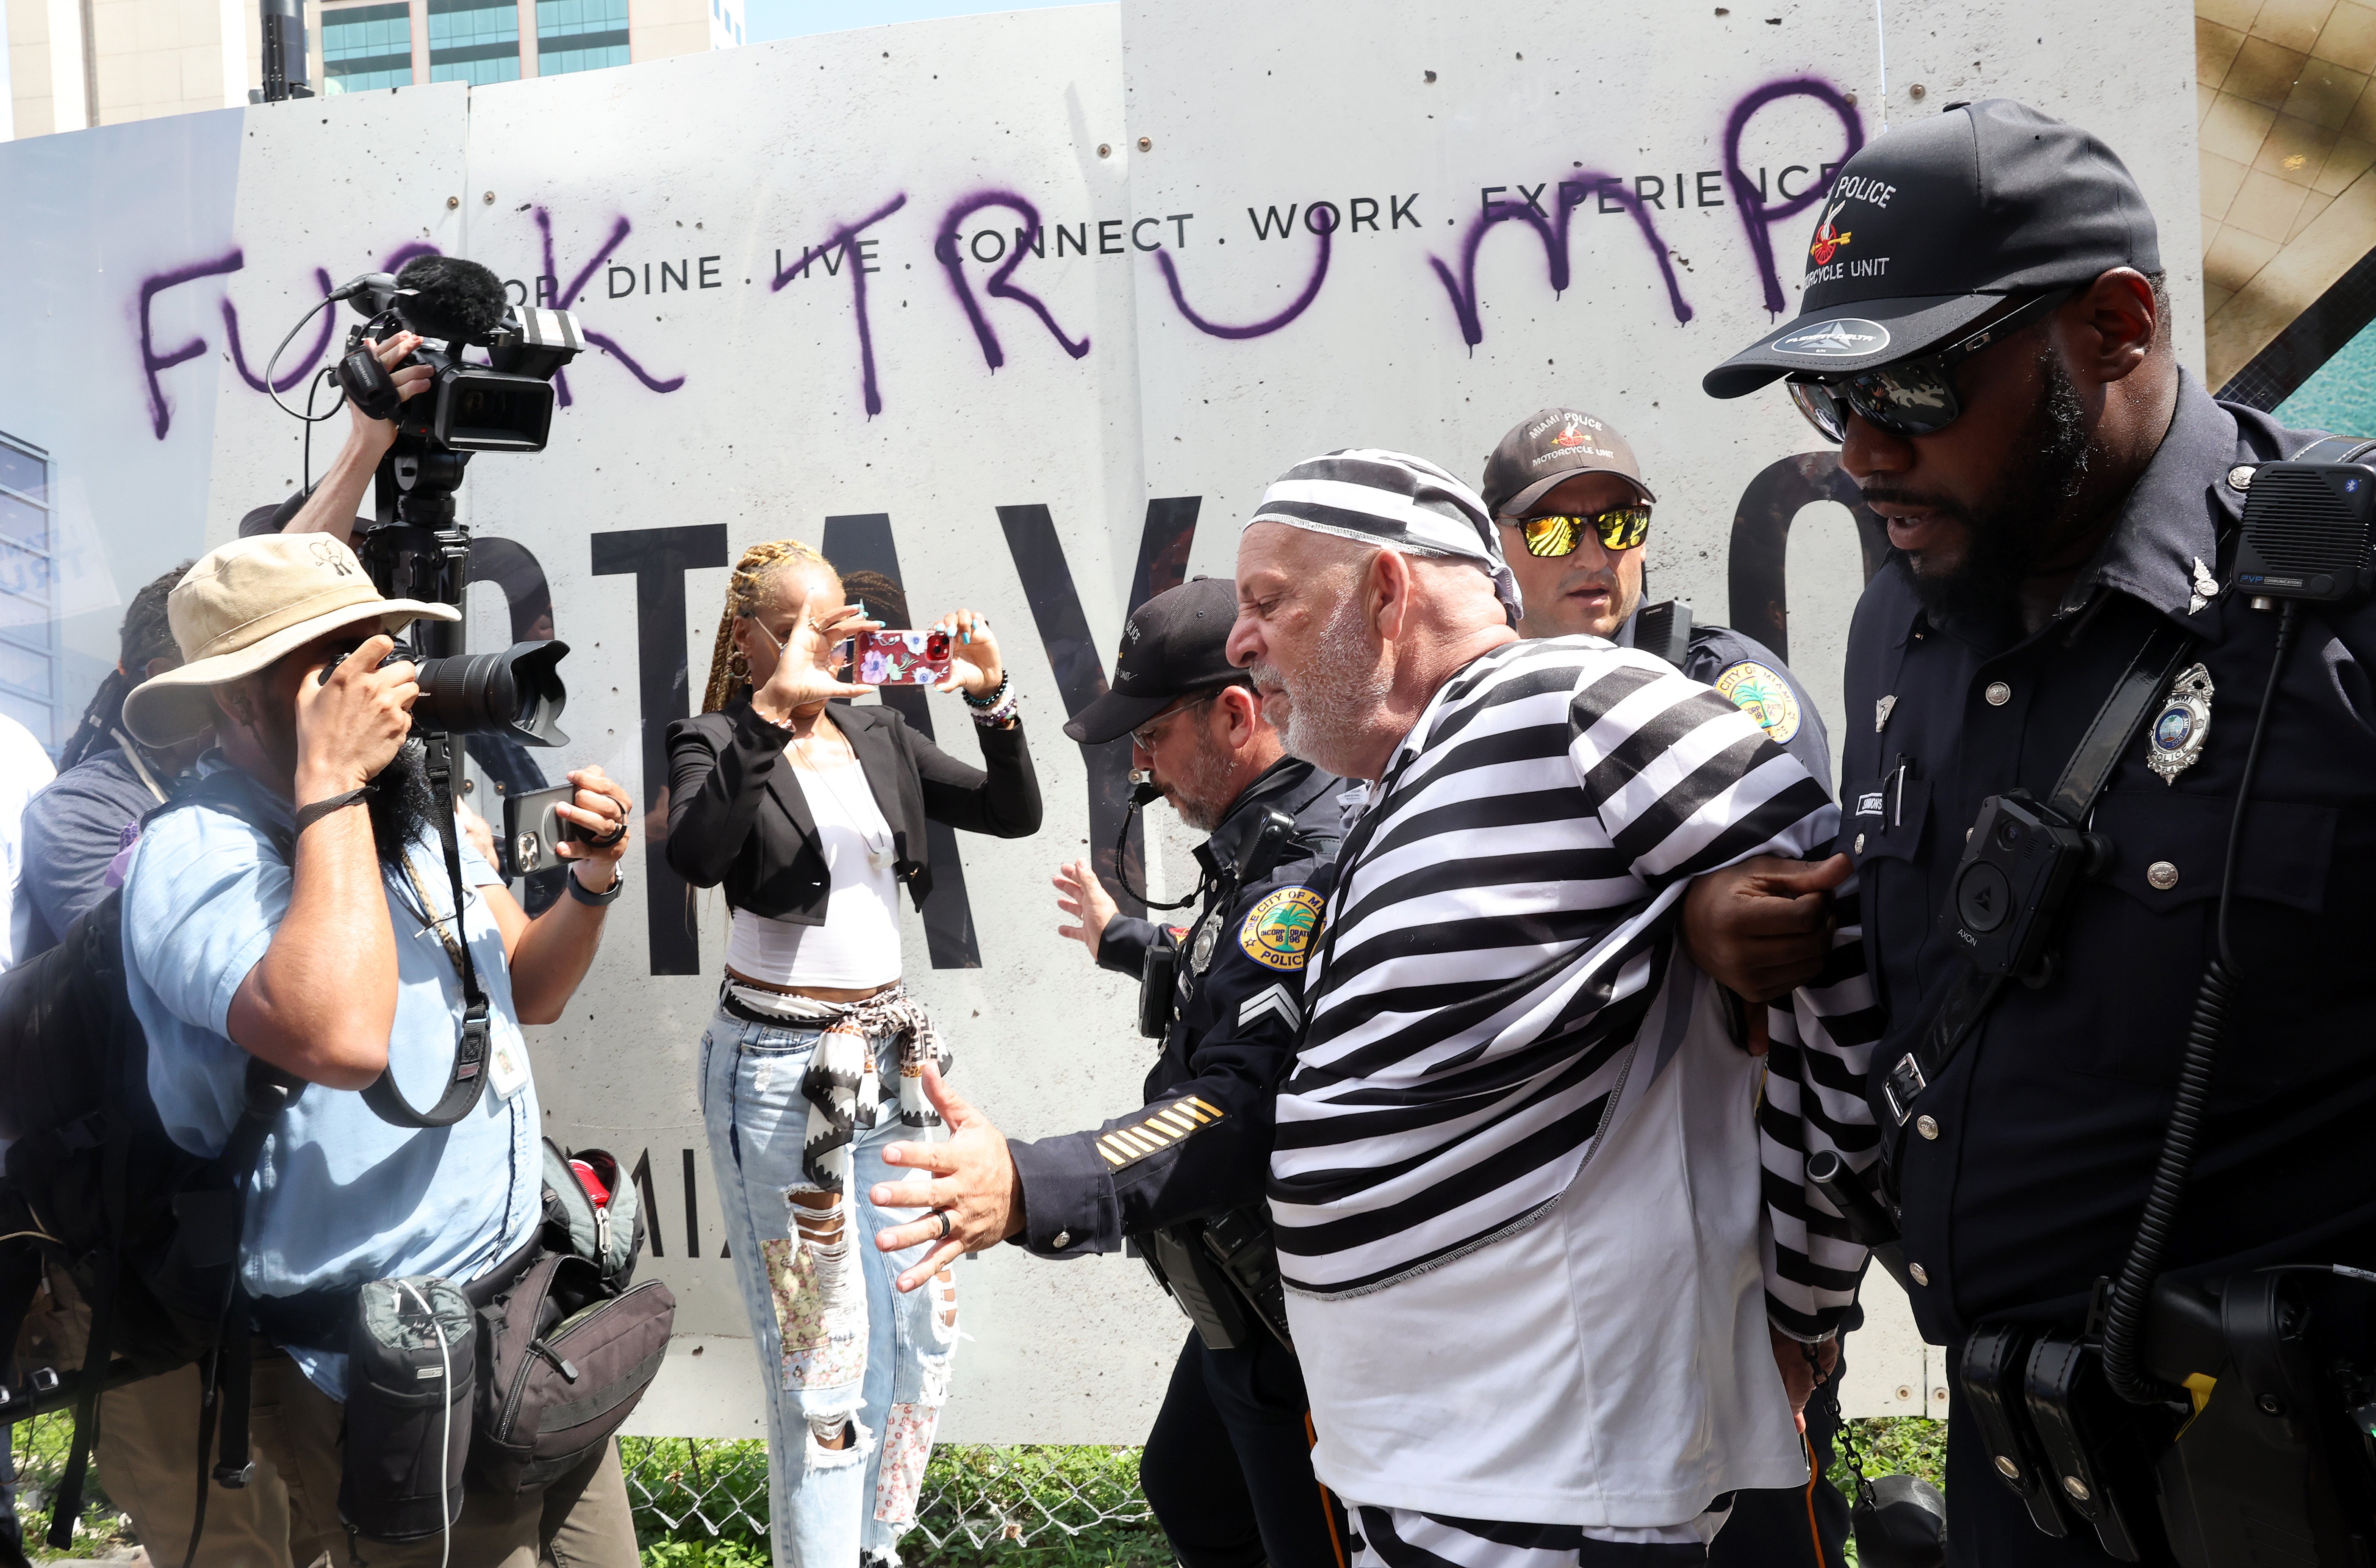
(1349, 641)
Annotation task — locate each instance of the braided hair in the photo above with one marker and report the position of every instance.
(146, 635)
(728, 677)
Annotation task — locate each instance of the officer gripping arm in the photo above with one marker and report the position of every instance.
(1201, 1143)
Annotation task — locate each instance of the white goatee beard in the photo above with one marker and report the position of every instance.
(1335, 702)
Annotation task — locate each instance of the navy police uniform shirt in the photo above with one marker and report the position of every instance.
(2024, 1176)
(1201, 1145)
(1745, 670)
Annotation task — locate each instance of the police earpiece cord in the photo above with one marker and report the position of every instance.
(1140, 795)
(2124, 1315)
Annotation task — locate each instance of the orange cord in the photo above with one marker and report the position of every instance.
(1814, 1532)
(1328, 1504)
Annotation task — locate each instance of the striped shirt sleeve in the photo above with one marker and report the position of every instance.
(1822, 1036)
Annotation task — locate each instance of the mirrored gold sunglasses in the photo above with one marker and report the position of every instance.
(1620, 527)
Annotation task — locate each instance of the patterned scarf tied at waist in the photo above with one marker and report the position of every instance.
(843, 1084)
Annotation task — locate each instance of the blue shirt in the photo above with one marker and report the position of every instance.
(340, 1197)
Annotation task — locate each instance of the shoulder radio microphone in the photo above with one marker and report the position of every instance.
(2306, 525)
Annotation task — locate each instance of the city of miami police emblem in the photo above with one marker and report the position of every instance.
(1765, 697)
(1277, 931)
(2181, 726)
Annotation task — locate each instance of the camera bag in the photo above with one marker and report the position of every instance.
(411, 1365)
(564, 1357)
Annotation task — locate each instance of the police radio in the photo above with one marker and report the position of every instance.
(2307, 523)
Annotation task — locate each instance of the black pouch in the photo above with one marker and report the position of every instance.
(412, 1364)
(566, 1359)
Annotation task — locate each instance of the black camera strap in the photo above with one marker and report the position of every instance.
(467, 1080)
(2131, 702)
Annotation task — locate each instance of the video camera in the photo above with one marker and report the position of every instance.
(503, 406)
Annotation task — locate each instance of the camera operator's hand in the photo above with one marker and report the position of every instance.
(975, 667)
(1080, 895)
(349, 725)
(372, 437)
(604, 811)
(331, 508)
(803, 676)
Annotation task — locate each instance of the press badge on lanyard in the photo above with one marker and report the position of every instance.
(507, 1059)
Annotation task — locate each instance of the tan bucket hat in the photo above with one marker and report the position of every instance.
(245, 605)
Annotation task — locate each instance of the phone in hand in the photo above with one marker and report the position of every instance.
(898, 659)
(533, 830)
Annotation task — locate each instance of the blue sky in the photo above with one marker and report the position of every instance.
(796, 18)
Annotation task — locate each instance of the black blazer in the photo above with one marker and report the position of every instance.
(737, 817)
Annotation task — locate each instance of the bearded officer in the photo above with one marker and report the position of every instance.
(2063, 501)
(1227, 1467)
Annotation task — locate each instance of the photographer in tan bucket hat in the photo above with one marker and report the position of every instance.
(337, 960)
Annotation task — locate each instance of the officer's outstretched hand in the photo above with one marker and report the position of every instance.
(1080, 895)
(1763, 926)
(971, 1178)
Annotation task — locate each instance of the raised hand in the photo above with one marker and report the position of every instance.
(975, 667)
(1080, 895)
(803, 676)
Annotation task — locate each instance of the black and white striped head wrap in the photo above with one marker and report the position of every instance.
(1394, 501)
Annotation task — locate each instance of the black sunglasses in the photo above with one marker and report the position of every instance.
(1909, 396)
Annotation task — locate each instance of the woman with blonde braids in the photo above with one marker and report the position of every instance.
(810, 813)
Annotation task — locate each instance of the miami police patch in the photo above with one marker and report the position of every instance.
(1765, 697)
(1277, 932)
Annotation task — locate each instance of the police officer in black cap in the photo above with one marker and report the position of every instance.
(2063, 658)
(1227, 1467)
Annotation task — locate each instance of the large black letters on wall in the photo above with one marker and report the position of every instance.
(1761, 539)
(658, 559)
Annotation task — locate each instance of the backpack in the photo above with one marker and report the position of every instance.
(94, 1189)
(146, 1233)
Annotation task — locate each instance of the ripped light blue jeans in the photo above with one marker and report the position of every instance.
(841, 1353)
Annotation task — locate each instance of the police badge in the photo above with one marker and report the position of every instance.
(2176, 739)
(1200, 953)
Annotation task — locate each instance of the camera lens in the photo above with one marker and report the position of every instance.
(517, 692)
(2008, 834)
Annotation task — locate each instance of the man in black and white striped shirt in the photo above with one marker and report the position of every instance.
(1550, 1253)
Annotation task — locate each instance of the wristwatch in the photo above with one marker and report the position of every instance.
(603, 899)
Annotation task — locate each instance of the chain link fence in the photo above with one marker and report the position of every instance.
(977, 1499)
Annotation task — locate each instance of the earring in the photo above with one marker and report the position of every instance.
(738, 666)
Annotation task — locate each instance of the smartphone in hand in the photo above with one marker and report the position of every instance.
(898, 659)
(533, 830)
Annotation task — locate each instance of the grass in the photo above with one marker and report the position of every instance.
(40, 1449)
(1033, 1506)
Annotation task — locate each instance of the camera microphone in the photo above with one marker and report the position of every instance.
(376, 289)
(451, 300)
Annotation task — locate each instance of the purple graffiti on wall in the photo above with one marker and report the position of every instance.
(609, 345)
(946, 250)
(1552, 229)
(1756, 214)
(1263, 327)
(305, 367)
(844, 240)
(160, 410)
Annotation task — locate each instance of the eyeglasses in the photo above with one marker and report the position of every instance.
(1147, 734)
(1911, 397)
(1620, 527)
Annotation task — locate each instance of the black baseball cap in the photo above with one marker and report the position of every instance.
(1549, 446)
(1922, 231)
(1176, 645)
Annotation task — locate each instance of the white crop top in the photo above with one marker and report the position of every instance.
(859, 943)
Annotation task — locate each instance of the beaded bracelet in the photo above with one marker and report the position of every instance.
(1002, 713)
(998, 695)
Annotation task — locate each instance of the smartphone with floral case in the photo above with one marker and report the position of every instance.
(898, 659)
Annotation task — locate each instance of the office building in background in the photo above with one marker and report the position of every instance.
(68, 63)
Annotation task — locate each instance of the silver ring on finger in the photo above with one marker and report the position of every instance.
(943, 1216)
